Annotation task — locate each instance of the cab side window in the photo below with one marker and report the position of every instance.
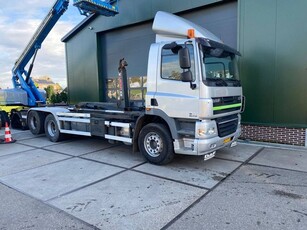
(170, 68)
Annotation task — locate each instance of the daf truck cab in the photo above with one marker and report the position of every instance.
(192, 105)
(193, 80)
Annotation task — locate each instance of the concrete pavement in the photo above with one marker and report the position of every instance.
(87, 183)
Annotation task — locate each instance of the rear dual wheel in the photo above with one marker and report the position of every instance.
(17, 122)
(36, 122)
(52, 130)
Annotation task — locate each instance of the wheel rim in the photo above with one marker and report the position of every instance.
(52, 128)
(153, 144)
(33, 122)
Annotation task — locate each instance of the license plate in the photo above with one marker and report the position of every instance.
(233, 144)
(227, 140)
(209, 156)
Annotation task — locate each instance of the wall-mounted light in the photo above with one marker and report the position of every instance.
(90, 28)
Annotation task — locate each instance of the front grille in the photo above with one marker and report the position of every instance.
(225, 104)
(227, 125)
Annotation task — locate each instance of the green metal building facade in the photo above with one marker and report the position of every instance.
(272, 40)
(270, 34)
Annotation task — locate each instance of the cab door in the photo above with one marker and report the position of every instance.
(174, 97)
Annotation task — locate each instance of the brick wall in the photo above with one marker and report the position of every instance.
(281, 135)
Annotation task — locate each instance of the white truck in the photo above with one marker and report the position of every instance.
(192, 105)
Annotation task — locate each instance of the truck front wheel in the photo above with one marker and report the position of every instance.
(36, 122)
(52, 129)
(156, 144)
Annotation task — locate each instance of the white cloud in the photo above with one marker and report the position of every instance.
(18, 22)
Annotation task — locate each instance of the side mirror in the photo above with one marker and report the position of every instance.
(187, 76)
(184, 58)
(231, 68)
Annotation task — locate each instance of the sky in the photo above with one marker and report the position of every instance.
(18, 22)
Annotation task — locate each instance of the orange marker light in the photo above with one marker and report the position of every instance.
(191, 33)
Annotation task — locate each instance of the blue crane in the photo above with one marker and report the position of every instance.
(21, 77)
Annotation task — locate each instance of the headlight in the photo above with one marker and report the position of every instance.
(205, 129)
(211, 131)
(201, 132)
(205, 132)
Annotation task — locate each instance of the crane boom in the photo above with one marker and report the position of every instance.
(22, 78)
(41, 33)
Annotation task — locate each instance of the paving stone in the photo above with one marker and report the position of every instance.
(6, 149)
(19, 211)
(193, 170)
(52, 180)
(80, 146)
(129, 200)
(241, 152)
(119, 155)
(282, 158)
(254, 197)
(38, 142)
(18, 162)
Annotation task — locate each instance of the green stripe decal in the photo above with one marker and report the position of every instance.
(226, 107)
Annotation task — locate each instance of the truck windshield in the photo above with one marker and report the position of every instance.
(219, 68)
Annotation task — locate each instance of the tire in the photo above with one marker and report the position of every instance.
(36, 122)
(4, 118)
(16, 120)
(156, 144)
(52, 130)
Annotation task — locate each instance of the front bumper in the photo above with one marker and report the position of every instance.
(199, 147)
